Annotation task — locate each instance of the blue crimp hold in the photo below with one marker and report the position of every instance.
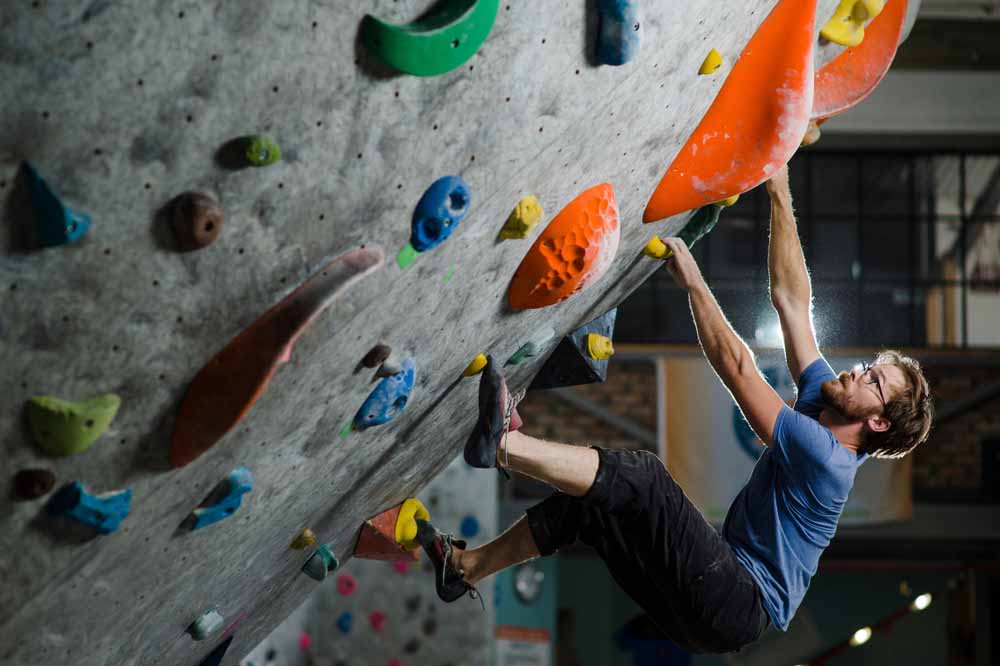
(469, 527)
(620, 32)
(225, 499)
(440, 209)
(345, 622)
(322, 562)
(389, 398)
(103, 512)
(58, 224)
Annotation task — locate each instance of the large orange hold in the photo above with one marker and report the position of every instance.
(576, 249)
(853, 75)
(755, 123)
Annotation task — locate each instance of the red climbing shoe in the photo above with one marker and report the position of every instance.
(448, 580)
(497, 416)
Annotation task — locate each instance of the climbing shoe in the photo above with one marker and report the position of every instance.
(448, 580)
(497, 415)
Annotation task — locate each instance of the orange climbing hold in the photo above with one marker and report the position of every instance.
(574, 250)
(378, 539)
(853, 75)
(755, 123)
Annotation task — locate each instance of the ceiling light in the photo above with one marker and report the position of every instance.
(861, 636)
(921, 602)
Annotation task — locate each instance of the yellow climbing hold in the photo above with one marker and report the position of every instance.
(655, 248)
(304, 539)
(713, 61)
(406, 522)
(812, 134)
(599, 347)
(522, 219)
(847, 27)
(729, 201)
(475, 367)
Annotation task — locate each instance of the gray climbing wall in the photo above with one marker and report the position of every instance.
(122, 106)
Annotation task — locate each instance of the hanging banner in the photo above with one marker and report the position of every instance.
(710, 449)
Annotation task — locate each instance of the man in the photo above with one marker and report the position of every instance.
(708, 592)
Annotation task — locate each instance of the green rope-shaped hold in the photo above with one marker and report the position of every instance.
(62, 427)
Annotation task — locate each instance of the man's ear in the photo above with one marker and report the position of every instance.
(878, 423)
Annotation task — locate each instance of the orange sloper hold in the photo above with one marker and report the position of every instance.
(755, 123)
(853, 75)
(576, 248)
(378, 539)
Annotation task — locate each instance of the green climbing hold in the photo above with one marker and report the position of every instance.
(703, 221)
(436, 43)
(62, 427)
(261, 151)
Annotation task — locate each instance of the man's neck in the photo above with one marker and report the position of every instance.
(847, 434)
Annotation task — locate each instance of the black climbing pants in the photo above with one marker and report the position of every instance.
(660, 550)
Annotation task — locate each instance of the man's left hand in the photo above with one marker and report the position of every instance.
(682, 265)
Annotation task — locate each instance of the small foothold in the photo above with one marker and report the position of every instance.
(322, 562)
(812, 134)
(33, 483)
(377, 620)
(224, 500)
(377, 356)
(206, 625)
(655, 248)
(475, 367)
(62, 427)
(429, 626)
(345, 621)
(389, 398)
(711, 63)
(103, 512)
(620, 31)
(196, 221)
(346, 584)
(440, 210)
(401, 566)
(533, 347)
(522, 219)
(406, 522)
(303, 539)
(57, 223)
(469, 527)
(261, 151)
(305, 641)
(411, 646)
(599, 346)
(412, 603)
(847, 26)
(729, 201)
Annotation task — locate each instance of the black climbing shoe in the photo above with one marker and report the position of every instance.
(448, 580)
(481, 447)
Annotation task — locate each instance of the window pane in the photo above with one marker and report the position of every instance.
(835, 313)
(887, 252)
(833, 252)
(833, 184)
(885, 186)
(738, 248)
(886, 314)
(982, 186)
(747, 306)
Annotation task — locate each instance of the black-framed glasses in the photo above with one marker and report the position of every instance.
(870, 378)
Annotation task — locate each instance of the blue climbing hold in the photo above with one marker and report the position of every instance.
(58, 224)
(439, 211)
(469, 527)
(389, 398)
(103, 512)
(224, 500)
(345, 622)
(620, 31)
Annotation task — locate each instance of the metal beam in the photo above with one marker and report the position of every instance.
(643, 435)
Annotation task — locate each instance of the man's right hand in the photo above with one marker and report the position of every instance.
(682, 265)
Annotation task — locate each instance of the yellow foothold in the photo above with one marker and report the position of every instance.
(655, 248)
(713, 61)
(812, 134)
(729, 201)
(304, 539)
(522, 219)
(475, 367)
(599, 347)
(847, 27)
(406, 523)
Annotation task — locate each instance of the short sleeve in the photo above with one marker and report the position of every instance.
(801, 443)
(810, 401)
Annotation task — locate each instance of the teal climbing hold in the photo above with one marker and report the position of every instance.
(207, 624)
(58, 224)
(322, 562)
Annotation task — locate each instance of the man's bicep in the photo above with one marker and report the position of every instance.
(759, 403)
(801, 348)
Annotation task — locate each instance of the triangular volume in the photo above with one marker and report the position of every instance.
(378, 539)
(853, 75)
(214, 657)
(571, 363)
(755, 123)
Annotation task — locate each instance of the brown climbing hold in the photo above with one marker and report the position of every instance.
(377, 356)
(197, 220)
(33, 483)
(378, 539)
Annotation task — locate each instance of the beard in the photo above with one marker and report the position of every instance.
(834, 393)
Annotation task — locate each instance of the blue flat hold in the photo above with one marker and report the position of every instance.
(620, 32)
(345, 621)
(224, 500)
(439, 211)
(58, 224)
(469, 527)
(389, 398)
(103, 512)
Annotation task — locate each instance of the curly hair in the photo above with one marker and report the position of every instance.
(910, 413)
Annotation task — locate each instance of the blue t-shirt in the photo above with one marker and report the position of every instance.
(787, 513)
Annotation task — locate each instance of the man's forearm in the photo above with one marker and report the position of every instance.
(723, 348)
(785, 262)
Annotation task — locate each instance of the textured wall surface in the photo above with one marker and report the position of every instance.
(124, 105)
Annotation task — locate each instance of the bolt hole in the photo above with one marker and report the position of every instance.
(89, 423)
(454, 43)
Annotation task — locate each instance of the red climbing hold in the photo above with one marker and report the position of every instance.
(346, 584)
(377, 620)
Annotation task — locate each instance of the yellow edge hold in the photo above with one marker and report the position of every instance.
(599, 346)
(522, 219)
(847, 26)
(475, 367)
(729, 201)
(303, 539)
(655, 248)
(711, 63)
(406, 522)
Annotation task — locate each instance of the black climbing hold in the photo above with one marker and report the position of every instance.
(33, 483)
(376, 356)
(430, 626)
(196, 219)
(412, 603)
(214, 657)
(411, 646)
(570, 364)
